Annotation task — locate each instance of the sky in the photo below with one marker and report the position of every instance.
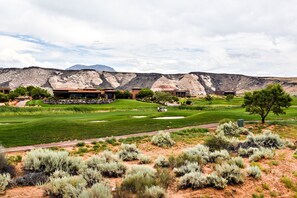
(251, 37)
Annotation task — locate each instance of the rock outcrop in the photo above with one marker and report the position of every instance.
(198, 83)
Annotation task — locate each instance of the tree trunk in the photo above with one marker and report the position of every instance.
(263, 120)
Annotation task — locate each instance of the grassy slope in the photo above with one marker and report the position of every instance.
(54, 123)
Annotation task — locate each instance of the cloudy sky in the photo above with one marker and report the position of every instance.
(253, 37)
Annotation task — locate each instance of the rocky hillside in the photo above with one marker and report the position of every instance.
(198, 83)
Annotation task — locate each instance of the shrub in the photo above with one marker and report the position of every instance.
(48, 161)
(80, 144)
(254, 171)
(238, 161)
(162, 139)
(59, 174)
(246, 152)
(218, 156)
(128, 152)
(5, 167)
(229, 172)
(217, 182)
(108, 156)
(144, 159)
(4, 181)
(137, 182)
(66, 186)
(261, 153)
(187, 168)
(147, 170)
(164, 177)
(99, 190)
(14, 159)
(107, 167)
(227, 129)
(219, 142)
(32, 179)
(161, 161)
(198, 153)
(92, 176)
(154, 192)
(194, 180)
(267, 139)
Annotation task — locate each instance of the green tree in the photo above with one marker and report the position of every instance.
(145, 93)
(118, 94)
(229, 97)
(127, 94)
(163, 97)
(3, 97)
(272, 98)
(21, 91)
(38, 93)
(208, 98)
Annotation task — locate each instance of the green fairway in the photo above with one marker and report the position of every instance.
(68, 122)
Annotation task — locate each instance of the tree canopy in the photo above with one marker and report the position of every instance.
(272, 98)
(145, 93)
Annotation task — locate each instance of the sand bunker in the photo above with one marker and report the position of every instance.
(170, 118)
(96, 121)
(4, 123)
(139, 116)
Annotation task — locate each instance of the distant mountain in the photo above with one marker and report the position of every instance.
(95, 67)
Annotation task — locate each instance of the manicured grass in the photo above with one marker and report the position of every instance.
(53, 124)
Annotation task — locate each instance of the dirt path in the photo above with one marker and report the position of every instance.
(88, 141)
(22, 103)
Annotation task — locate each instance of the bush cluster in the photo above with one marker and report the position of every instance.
(154, 192)
(261, 153)
(48, 161)
(128, 152)
(4, 181)
(144, 159)
(99, 190)
(107, 164)
(267, 140)
(162, 162)
(163, 139)
(230, 172)
(5, 167)
(231, 129)
(187, 168)
(238, 161)
(32, 179)
(254, 171)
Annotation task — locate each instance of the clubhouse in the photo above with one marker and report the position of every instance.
(89, 93)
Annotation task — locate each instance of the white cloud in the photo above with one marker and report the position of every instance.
(169, 36)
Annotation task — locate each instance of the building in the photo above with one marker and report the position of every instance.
(5, 90)
(89, 93)
(173, 91)
(134, 92)
(225, 93)
(77, 93)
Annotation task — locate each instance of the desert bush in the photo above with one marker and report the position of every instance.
(218, 156)
(194, 180)
(217, 182)
(162, 139)
(32, 179)
(91, 176)
(261, 153)
(66, 186)
(227, 129)
(254, 171)
(246, 152)
(137, 182)
(220, 142)
(128, 152)
(144, 159)
(48, 161)
(4, 181)
(5, 167)
(161, 161)
(108, 167)
(154, 192)
(164, 177)
(267, 139)
(200, 153)
(187, 168)
(109, 156)
(99, 190)
(230, 172)
(238, 161)
(147, 170)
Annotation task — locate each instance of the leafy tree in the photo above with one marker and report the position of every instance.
(163, 97)
(208, 98)
(127, 94)
(272, 98)
(29, 90)
(12, 95)
(118, 94)
(3, 97)
(21, 91)
(38, 93)
(145, 93)
(229, 97)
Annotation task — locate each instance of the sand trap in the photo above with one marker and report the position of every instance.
(170, 118)
(139, 116)
(4, 123)
(96, 121)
